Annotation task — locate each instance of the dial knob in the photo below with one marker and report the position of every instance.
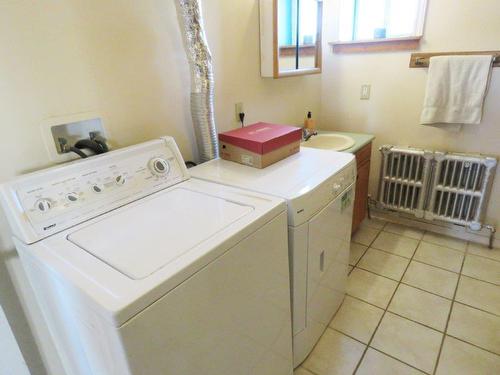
(72, 197)
(43, 205)
(159, 166)
(97, 188)
(120, 180)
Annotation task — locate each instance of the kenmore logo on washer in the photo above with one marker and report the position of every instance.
(49, 227)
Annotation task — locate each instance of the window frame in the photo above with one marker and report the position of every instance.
(378, 44)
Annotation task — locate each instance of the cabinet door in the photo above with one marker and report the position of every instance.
(361, 200)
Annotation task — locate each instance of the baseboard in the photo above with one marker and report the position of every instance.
(457, 231)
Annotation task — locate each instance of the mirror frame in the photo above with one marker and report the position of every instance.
(270, 63)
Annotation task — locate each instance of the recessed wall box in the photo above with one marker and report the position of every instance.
(69, 130)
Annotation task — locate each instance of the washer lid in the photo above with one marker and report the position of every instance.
(141, 240)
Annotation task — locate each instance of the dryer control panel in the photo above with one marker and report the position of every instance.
(48, 201)
(302, 208)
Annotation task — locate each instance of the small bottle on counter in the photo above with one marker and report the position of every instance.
(309, 123)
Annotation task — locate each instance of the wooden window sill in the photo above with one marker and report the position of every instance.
(377, 45)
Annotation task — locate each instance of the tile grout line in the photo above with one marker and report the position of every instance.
(483, 257)
(388, 252)
(397, 359)
(441, 268)
(364, 269)
(368, 246)
(484, 281)
(371, 347)
(449, 313)
(474, 345)
(453, 300)
(450, 299)
(424, 290)
(457, 273)
(385, 311)
(476, 308)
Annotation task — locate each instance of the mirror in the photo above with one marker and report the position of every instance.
(290, 37)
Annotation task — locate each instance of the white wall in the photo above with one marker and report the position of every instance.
(393, 112)
(125, 61)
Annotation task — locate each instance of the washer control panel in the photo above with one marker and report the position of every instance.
(60, 197)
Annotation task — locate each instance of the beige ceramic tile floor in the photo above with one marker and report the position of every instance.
(417, 303)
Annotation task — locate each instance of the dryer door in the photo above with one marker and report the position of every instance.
(328, 258)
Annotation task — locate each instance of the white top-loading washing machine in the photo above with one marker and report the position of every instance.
(319, 188)
(139, 269)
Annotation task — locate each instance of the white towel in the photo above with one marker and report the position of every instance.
(456, 88)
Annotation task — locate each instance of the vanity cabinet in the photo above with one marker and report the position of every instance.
(363, 159)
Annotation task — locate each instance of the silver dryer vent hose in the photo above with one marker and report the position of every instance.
(202, 78)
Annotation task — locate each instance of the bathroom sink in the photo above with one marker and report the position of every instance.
(336, 142)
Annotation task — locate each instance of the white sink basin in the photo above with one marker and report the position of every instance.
(335, 142)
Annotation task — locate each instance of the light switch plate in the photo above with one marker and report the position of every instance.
(365, 92)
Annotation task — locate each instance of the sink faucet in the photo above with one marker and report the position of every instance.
(307, 134)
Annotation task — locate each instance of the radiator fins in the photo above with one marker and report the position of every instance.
(442, 186)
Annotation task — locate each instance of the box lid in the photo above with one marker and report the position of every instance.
(262, 137)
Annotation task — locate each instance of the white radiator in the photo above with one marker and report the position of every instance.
(436, 185)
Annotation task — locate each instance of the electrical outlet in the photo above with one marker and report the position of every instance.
(238, 108)
(365, 92)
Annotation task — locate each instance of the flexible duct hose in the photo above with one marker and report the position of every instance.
(202, 78)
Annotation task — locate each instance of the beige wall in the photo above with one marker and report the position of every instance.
(124, 60)
(397, 93)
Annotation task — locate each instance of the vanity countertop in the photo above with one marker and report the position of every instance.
(361, 139)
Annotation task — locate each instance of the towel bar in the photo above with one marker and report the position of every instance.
(421, 60)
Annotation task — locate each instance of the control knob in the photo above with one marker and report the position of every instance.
(97, 188)
(159, 166)
(72, 197)
(120, 180)
(43, 205)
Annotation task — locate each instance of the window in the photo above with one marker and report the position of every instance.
(381, 19)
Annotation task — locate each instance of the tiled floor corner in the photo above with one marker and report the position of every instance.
(335, 353)
(416, 303)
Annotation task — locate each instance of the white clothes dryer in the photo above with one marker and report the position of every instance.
(318, 186)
